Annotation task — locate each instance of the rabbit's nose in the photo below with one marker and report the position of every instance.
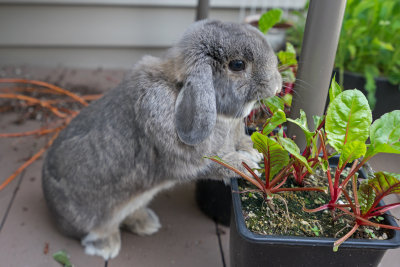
(277, 84)
(278, 89)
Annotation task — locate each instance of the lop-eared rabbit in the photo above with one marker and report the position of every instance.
(153, 131)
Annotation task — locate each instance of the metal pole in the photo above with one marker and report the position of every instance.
(321, 37)
(202, 9)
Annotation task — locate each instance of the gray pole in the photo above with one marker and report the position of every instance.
(321, 37)
(202, 9)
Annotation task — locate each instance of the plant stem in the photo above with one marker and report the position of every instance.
(328, 173)
(281, 173)
(346, 236)
(355, 196)
(254, 175)
(29, 161)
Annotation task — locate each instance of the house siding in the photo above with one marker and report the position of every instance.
(98, 33)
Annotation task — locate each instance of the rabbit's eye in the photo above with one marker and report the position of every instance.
(237, 65)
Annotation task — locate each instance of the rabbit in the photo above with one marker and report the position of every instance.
(153, 130)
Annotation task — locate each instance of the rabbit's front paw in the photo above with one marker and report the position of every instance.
(105, 246)
(252, 155)
(142, 222)
(245, 147)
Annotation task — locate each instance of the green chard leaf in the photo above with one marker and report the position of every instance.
(272, 150)
(317, 120)
(314, 146)
(288, 98)
(348, 119)
(274, 103)
(324, 164)
(277, 118)
(385, 134)
(383, 184)
(269, 19)
(294, 150)
(351, 151)
(288, 57)
(302, 123)
(334, 90)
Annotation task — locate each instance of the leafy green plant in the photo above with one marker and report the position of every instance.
(369, 41)
(269, 19)
(346, 127)
(277, 166)
(365, 207)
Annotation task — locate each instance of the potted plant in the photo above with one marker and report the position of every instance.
(272, 25)
(285, 201)
(368, 56)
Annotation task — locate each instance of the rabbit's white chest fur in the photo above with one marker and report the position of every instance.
(248, 108)
(138, 201)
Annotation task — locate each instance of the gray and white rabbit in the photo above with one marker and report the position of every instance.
(153, 131)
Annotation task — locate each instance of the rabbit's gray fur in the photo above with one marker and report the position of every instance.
(153, 131)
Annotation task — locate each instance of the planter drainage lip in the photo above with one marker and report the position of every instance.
(246, 234)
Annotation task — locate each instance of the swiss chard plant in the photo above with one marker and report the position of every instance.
(347, 128)
(343, 130)
(365, 207)
(277, 162)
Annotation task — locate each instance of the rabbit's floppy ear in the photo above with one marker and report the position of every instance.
(195, 107)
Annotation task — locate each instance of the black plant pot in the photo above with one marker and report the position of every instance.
(387, 95)
(214, 199)
(250, 249)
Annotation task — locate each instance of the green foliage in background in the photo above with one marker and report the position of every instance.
(269, 19)
(369, 41)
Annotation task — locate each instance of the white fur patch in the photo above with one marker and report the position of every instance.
(138, 202)
(107, 253)
(248, 108)
(143, 222)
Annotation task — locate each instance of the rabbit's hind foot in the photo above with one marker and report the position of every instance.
(142, 222)
(104, 245)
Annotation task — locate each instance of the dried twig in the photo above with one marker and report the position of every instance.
(47, 85)
(35, 101)
(28, 162)
(64, 113)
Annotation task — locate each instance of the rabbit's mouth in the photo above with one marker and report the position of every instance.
(248, 107)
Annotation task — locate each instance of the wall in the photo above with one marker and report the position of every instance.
(101, 33)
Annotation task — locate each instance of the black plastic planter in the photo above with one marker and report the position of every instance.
(250, 249)
(214, 199)
(387, 95)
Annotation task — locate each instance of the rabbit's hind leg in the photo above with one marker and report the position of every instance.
(139, 219)
(103, 243)
(142, 222)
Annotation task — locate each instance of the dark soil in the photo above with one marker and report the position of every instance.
(284, 214)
